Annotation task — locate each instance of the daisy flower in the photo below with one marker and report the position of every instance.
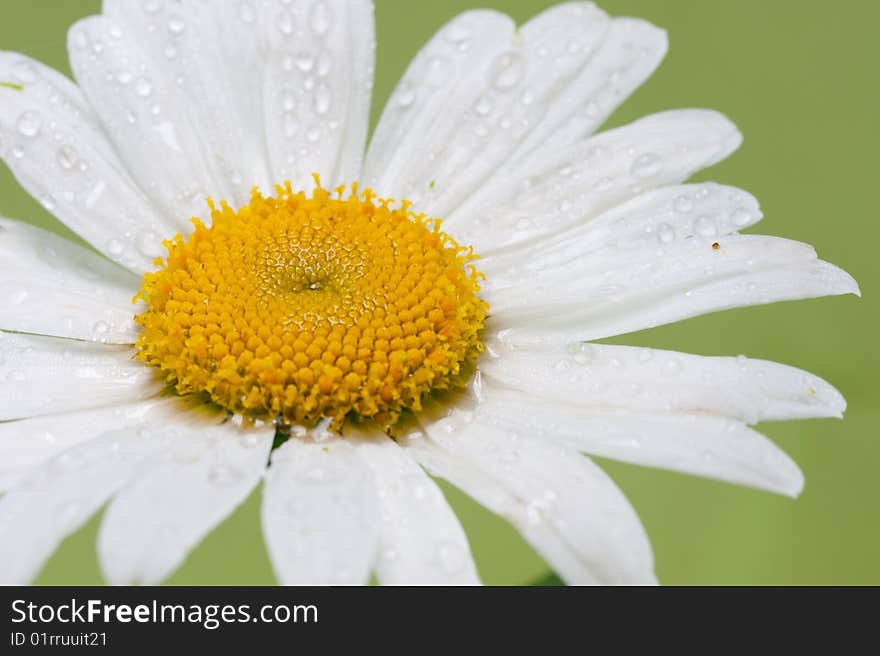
(302, 318)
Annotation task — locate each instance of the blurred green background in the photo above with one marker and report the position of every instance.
(799, 79)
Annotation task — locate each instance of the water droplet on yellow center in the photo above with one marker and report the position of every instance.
(301, 307)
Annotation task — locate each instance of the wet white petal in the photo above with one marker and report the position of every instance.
(59, 152)
(45, 375)
(421, 541)
(485, 111)
(145, 117)
(564, 505)
(51, 286)
(317, 84)
(617, 292)
(58, 497)
(27, 443)
(544, 196)
(429, 106)
(320, 512)
(629, 52)
(152, 524)
(693, 443)
(601, 376)
(677, 213)
(206, 64)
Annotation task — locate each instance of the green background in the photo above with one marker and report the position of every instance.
(799, 79)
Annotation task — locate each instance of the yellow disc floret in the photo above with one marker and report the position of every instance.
(301, 307)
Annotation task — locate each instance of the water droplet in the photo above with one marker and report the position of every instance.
(683, 204)
(483, 106)
(320, 18)
(170, 51)
(313, 134)
(143, 87)
(100, 330)
(704, 226)
(149, 244)
(451, 557)
(176, 25)
(285, 23)
(405, 94)
(114, 247)
(647, 165)
(246, 12)
(24, 71)
(289, 125)
(322, 99)
(151, 6)
(507, 70)
(673, 366)
(665, 233)
(29, 124)
(325, 63)
(95, 193)
(741, 217)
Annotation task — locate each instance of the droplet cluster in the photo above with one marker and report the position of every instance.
(303, 307)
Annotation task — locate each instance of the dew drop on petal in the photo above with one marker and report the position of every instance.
(176, 25)
(246, 12)
(507, 70)
(704, 226)
(646, 165)
(683, 204)
(320, 18)
(29, 124)
(665, 233)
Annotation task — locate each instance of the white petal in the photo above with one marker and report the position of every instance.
(27, 443)
(430, 116)
(206, 61)
(703, 445)
(150, 125)
(44, 375)
(58, 151)
(58, 497)
(544, 196)
(597, 376)
(486, 111)
(651, 219)
(421, 541)
(317, 85)
(51, 286)
(629, 52)
(163, 513)
(564, 505)
(320, 513)
(619, 291)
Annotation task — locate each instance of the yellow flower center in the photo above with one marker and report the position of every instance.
(299, 307)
